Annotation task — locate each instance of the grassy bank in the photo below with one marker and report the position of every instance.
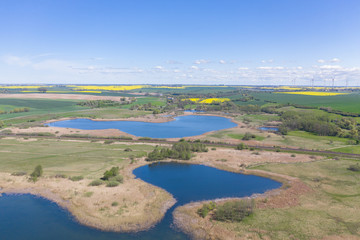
(329, 210)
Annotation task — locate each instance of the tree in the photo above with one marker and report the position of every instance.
(42, 89)
(113, 172)
(38, 171)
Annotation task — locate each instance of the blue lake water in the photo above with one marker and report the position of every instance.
(270, 129)
(30, 217)
(184, 126)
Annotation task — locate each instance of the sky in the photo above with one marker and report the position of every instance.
(231, 42)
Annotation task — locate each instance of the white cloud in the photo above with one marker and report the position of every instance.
(321, 61)
(173, 62)
(334, 60)
(194, 67)
(222, 61)
(271, 68)
(17, 61)
(267, 61)
(243, 68)
(330, 67)
(202, 61)
(160, 68)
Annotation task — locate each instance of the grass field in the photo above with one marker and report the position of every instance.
(332, 209)
(346, 103)
(145, 100)
(348, 149)
(89, 159)
(37, 106)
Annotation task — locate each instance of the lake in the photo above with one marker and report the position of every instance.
(29, 217)
(270, 129)
(183, 126)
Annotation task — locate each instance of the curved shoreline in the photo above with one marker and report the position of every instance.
(83, 217)
(142, 119)
(146, 219)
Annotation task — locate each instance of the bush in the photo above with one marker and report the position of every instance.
(241, 146)
(128, 150)
(114, 171)
(108, 141)
(18, 173)
(117, 178)
(96, 182)
(76, 178)
(205, 209)
(38, 171)
(248, 136)
(234, 211)
(354, 168)
(114, 204)
(60, 176)
(112, 184)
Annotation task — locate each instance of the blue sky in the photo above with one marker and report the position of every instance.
(180, 41)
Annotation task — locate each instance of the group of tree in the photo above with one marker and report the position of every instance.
(320, 124)
(148, 107)
(181, 150)
(111, 178)
(101, 103)
(16, 110)
(233, 211)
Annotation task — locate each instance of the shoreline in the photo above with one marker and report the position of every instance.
(50, 190)
(142, 219)
(110, 132)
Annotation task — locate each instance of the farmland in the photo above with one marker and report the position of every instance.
(331, 188)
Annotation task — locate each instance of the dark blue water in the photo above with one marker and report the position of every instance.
(271, 129)
(184, 126)
(29, 217)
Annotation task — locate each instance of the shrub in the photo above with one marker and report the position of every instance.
(241, 146)
(117, 178)
(128, 150)
(114, 171)
(88, 194)
(248, 136)
(114, 204)
(108, 141)
(205, 209)
(234, 211)
(18, 173)
(112, 184)
(38, 171)
(60, 176)
(96, 182)
(354, 168)
(293, 155)
(76, 178)
(213, 148)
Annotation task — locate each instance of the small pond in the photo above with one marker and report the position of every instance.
(269, 129)
(184, 126)
(29, 217)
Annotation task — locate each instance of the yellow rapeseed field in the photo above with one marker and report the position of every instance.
(315, 93)
(206, 100)
(107, 88)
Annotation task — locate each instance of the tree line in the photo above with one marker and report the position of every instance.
(182, 150)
